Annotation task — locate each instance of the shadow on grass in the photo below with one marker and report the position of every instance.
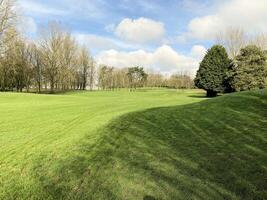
(199, 96)
(216, 149)
(203, 96)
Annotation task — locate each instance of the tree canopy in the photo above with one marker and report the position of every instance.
(137, 76)
(250, 69)
(212, 70)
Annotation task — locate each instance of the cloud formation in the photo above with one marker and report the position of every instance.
(164, 59)
(140, 31)
(246, 14)
(198, 51)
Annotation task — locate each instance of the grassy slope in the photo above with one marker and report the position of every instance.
(41, 134)
(214, 149)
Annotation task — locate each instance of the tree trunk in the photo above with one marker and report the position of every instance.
(52, 87)
(39, 87)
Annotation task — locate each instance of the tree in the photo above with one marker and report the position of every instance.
(137, 77)
(260, 41)
(250, 69)
(228, 87)
(36, 62)
(16, 71)
(7, 24)
(212, 71)
(21, 62)
(7, 71)
(105, 77)
(155, 80)
(120, 79)
(7, 18)
(69, 58)
(53, 62)
(51, 49)
(233, 39)
(85, 64)
(91, 73)
(180, 81)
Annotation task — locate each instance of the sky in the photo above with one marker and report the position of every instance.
(165, 36)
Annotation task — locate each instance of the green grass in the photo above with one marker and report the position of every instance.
(154, 144)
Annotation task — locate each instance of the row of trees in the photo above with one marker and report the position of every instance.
(54, 62)
(110, 78)
(246, 71)
(180, 80)
(237, 63)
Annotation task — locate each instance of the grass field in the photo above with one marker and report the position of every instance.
(149, 144)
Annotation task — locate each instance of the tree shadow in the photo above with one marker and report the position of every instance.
(199, 96)
(215, 149)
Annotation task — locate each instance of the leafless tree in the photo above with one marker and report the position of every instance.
(260, 40)
(7, 18)
(92, 73)
(51, 54)
(233, 39)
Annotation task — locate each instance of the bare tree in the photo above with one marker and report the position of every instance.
(260, 41)
(7, 18)
(68, 58)
(92, 73)
(51, 50)
(36, 62)
(180, 80)
(105, 77)
(233, 39)
(84, 62)
(155, 80)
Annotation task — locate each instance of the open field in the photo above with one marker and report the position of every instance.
(149, 144)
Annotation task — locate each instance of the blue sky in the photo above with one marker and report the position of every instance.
(164, 35)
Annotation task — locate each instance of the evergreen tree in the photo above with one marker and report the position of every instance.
(228, 87)
(250, 70)
(212, 71)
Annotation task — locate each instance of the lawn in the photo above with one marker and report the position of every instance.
(148, 144)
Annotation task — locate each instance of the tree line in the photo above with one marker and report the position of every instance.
(111, 78)
(54, 62)
(57, 62)
(234, 65)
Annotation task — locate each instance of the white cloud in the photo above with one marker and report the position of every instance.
(246, 14)
(164, 59)
(141, 31)
(205, 27)
(198, 51)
